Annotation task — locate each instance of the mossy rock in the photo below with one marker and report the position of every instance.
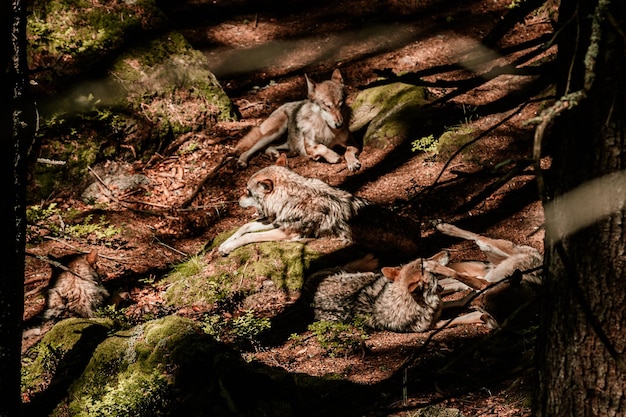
(453, 139)
(198, 283)
(167, 367)
(111, 78)
(388, 112)
(168, 81)
(62, 353)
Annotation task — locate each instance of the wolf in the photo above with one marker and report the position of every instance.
(399, 299)
(293, 207)
(509, 279)
(313, 127)
(76, 291)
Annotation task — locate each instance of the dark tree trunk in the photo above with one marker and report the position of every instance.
(580, 352)
(16, 130)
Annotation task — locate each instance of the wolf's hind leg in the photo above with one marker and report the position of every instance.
(260, 137)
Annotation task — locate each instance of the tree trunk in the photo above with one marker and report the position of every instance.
(580, 358)
(16, 130)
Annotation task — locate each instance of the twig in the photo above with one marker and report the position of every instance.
(211, 174)
(170, 247)
(479, 137)
(61, 241)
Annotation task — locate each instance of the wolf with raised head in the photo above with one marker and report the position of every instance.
(398, 299)
(293, 207)
(313, 127)
(509, 279)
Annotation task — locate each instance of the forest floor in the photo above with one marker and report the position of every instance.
(260, 56)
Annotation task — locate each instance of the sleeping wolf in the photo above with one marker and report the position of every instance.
(76, 292)
(399, 299)
(314, 126)
(515, 267)
(293, 207)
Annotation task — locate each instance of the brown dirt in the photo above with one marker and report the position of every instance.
(260, 56)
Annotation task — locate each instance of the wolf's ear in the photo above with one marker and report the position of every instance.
(310, 85)
(336, 77)
(266, 185)
(282, 160)
(391, 272)
(92, 257)
(442, 257)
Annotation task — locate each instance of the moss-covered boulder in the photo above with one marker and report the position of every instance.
(244, 272)
(112, 79)
(62, 353)
(169, 367)
(388, 112)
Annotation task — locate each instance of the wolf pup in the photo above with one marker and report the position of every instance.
(293, 207)
(313, 126)
(76, 292)
(398, 299)
(515, 267)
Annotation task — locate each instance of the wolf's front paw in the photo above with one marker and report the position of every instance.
(273, 152)
(354, 165)
(445, 228)
(227, 247)
(242, 163)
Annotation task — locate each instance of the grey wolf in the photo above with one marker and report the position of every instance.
(293, 207)
(77, 290)
(398, 299)
(509, 278)
(313, 127)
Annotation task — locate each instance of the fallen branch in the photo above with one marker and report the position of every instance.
(211, 174)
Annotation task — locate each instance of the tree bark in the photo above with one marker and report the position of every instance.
(580, 357)
(16, 130)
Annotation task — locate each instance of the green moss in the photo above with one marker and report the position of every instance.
(388, 111)
(130, 372)
(130, 82)
(285, 263)
(168, 79)
(85, 31)
(453, 139)
(62, 352)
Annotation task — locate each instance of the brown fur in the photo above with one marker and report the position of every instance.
(77, 292)
(399, 299)
(505, 263)
(293, 207)
(313, 127)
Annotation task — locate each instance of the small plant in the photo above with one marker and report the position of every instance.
(296, 338)
(339, 339)
(248, 327)
(117, 315)
(425, 144)
(242, 329)
(56, 222)
(214, 325)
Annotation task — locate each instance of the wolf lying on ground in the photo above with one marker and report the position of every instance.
(76, 292)
(293, 207)
(408, 298)
(398, 299)
(510, 278)
(313, 127)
